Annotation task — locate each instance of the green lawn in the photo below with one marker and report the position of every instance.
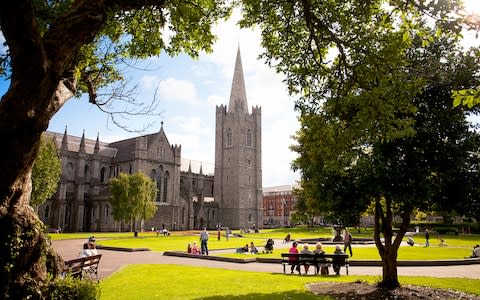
(458, 246)
(359, 253)
(186, 282)
(178, 242)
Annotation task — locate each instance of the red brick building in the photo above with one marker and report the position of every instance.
(278, 205)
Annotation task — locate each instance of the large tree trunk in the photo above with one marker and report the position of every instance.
(388, 250)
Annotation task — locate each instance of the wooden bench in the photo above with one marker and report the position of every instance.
(297, 259)
(82, 267)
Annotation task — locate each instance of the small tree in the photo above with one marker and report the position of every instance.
(132, 198)
(45, 172)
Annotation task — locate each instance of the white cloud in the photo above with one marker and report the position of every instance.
(149, 82)
(191, 125)
(172, 89)
(215, 100)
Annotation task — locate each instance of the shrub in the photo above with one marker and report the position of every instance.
(72, 288)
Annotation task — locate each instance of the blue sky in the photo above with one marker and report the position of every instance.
(188, 92)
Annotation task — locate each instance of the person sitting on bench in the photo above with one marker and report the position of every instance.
(338, 250)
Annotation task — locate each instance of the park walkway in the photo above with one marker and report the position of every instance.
(113, 260)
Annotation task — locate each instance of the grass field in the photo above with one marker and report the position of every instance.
(458, 246)
(186, 282)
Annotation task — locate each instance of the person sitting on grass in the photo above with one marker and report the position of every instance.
(442, 243)
(269, 246)
(287, 238)
(253, 249)
(475, 252)
(410, 241)
(195, 249)
(243, 249)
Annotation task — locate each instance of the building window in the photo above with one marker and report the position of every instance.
(47, 211)
(102, 175)
(106, 210)
(249, 217)
(130, 169)
(86, 173)
(183, 215)
(165, 185)
(249, 138)
(70, 171)
(229, 137)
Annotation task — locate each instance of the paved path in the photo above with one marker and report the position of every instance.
(114, 260)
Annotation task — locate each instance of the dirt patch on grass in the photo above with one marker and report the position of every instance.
(363, 290)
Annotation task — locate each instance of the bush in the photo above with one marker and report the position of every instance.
(72, 288)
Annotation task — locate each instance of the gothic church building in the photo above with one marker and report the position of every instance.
(190, 195)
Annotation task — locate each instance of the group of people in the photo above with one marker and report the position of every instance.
(322, 268)
(248, 249)
(193, 248)
(89, 248)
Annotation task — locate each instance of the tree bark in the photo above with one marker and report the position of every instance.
(41, 71)
(388, 250)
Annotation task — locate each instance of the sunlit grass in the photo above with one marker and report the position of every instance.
(371, 253)
(178, 242)
(458, 246)
(186, 282)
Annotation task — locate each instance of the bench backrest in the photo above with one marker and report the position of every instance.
(338, 259)
(77, 265)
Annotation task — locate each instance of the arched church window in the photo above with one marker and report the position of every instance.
(165, 185)
(249, 138)
(102, 175)
(229, 137)
(86, 173)
(70, 171)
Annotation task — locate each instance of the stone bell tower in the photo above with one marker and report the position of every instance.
(238, 158)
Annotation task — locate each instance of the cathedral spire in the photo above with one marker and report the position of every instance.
(82, 143)
(97, 144)
(65, 140)
(238, 96)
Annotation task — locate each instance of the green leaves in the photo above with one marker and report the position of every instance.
(466, 97)
(133, 197)
(45, 172)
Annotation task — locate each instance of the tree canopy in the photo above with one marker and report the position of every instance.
(133, 198)
(57, 49)
(360, 69)
(45, 172)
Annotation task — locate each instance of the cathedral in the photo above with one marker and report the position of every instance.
(190, 194)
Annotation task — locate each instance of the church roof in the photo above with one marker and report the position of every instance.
(238, 95)
(195, 165)
(73, 144)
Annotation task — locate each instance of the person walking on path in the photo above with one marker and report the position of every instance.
(427, 238)
(347, 242)
(204, 241)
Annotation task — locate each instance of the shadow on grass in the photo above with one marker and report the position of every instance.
(290, 295)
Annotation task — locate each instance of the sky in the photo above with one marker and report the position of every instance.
(188, 91)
